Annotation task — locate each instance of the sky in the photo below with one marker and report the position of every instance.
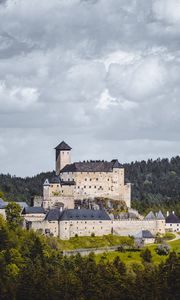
(103, 75)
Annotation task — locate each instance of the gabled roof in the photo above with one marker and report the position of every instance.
(159, 216)
(33, 210)
(63, 146)
(53, 214)
(150, 216)
(55, 179)
(172, 218)
(146, 234)
(84, 214)
(3, 204)
(46, 182)
(92, 166)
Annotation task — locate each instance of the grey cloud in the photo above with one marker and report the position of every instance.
(101, 74)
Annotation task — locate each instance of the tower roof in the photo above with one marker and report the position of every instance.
(63, 146)
(172, 218)
(92, 166)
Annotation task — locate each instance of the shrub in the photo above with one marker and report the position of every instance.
(146, 255)
(121, 248)
(92, 234)
(163, 249)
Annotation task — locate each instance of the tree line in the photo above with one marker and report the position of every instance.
(32, 267)
(155, 184)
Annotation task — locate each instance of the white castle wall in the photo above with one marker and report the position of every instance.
(68, 229)
(100, 184)
(131, 227)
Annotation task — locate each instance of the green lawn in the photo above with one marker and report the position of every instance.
(128, 257)
(93, 242)
(175, 245)
(134, 257)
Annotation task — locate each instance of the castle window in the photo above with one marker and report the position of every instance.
(97, 179)
(62, 191)
(95, 186)
(85, 179)
(90, 187)
(63, 153)
(85, 186)
(90, 179)
(108, 179)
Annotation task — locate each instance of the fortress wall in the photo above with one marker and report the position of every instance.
(53, 226)
(131, 227)
(69, 229)
(100, 184)
(68, 202)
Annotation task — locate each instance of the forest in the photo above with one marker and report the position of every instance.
(155, 184)
(32, 267)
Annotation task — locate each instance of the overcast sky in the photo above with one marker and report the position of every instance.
(103, 75)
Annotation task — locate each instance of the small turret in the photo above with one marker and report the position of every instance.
(46, 189)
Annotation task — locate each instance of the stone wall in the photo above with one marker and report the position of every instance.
(100, 184)
(68, 229)
(52, 202)
(131, 227)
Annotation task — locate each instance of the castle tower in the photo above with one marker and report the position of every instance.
(63, 156)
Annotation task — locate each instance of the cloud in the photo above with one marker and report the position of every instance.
(99, 74)
(167, 11)
(17, 98)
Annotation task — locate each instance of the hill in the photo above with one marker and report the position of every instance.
(155, 184)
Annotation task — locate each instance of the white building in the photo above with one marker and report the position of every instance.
(172, 223)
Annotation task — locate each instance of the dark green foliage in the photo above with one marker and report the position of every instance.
(13, 214)
(163, 249)
(33, 268)
(155, 185)
(146, 255)
(22, 189)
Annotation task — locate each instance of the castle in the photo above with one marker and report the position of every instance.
(55, 213)
(84, 180)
